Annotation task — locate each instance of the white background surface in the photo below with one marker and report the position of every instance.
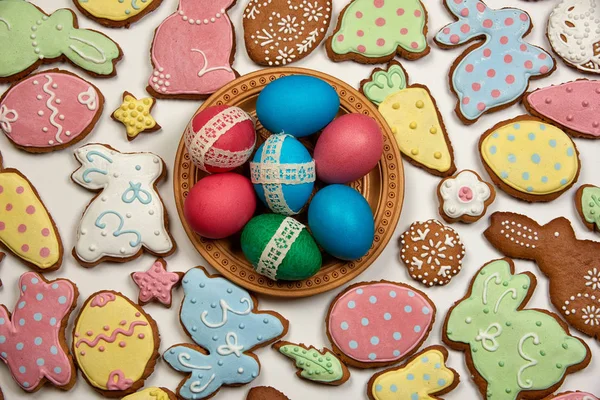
(66, 201)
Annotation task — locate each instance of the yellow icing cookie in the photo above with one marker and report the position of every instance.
(422, 377)
(530, 156)
(114, 343)
(135, 115)
(116, 11)
(152, 393)
(26, 228)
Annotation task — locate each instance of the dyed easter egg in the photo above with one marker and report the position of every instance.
(283, 174)
(348, 148)
(220, 138)
(530, 159)
(115, 343)
(220, 205)
(341, 221)
(379, 323)
(280, 248)
(49, 111)
(298, 105)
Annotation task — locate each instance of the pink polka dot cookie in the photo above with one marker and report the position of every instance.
(32, 338)
(156, 284)
(26, 228)
(375, 324)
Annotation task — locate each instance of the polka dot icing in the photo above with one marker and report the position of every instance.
(540, 160)
(398, 322)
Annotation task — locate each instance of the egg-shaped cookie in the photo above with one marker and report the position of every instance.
(530, 159)
(115, 344)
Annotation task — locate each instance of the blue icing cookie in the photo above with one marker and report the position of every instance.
(221, 318)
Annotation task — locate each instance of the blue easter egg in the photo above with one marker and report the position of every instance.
(341, 221)
(283, 174)
(298, 105)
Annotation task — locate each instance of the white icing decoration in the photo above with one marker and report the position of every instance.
(89, 98)
(205, 70)
(487, 282)
(514, 296)
(81, 54)
(531, 362)
(455, 207)
(52, 108)
(183, 359)
(231, 346)
(6, 22)
(226, 308)
(488, 339)
(6, 118)
(280, 243)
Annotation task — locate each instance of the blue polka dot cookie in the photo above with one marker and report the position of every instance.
(530, 159)
(425, 376)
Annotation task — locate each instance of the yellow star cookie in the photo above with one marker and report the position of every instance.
(135, 115)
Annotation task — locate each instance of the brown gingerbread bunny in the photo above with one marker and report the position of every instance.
(572, 265)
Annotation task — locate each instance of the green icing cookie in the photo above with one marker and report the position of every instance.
(314, 365)
(28, 36)
(590, 205)
(512, 349)
(384, 83)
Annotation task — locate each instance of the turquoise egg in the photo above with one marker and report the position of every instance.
(298, 105)
(283, 174)
(341, 221)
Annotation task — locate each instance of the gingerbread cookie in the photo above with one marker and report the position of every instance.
(319, 366)
(373, 32)
(115, 344)
(424, 376)
(156, 284)
(420, 133)
(49, 111)
(26, 227)
(265, 393)
(495, 74)
(29, 38)
(432, 252)
(464, 197)
(511, 351)
(188, 61)
(223, 319)
(278, 32)
(574, 33)
(572, 106)
(573, 396)
(574, 291)
(375, 324)
(128, 215)
(32, 339)
(152, 393)
(135, 115)
(530, 159)
(116, 13)
(587, 202)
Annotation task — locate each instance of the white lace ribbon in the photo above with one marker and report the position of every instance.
(278, 247)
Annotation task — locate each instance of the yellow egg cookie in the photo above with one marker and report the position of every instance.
(26, 227)
(413, 117)
(135, 115)
(152, 393)
(115, 344)
(116, 13)
(530, 159)
(424, 377)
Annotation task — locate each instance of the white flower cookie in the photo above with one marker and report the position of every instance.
(464, 197)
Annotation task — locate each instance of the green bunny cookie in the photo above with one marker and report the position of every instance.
(29, 37)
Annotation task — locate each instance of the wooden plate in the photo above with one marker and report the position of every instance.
(383, 188)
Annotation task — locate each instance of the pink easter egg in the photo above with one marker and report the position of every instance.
(348, 149)
(379, 323)
(49, 111)
(220, 138)
(220, 205)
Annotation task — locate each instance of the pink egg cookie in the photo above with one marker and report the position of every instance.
(375, 324)
(156, 284)
(50, 111)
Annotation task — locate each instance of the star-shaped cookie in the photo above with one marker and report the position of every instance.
(156, 284)
(135, 115)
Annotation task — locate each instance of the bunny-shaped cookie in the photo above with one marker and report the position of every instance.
(572, 265)
(128, 215)
(29, 37)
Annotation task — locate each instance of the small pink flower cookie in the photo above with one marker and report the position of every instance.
(375, 324)
(156, 284)
(32, 339)
(464, 197)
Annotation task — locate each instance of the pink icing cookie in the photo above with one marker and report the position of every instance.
(193, 50)
(574, 396)
(49, 111)
(156, 284)
(375, 324)
(573, 106)
(32, 339)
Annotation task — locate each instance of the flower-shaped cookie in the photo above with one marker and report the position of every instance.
(464, 197)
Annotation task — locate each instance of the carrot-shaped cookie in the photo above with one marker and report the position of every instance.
(26, 227)
(412, 114)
